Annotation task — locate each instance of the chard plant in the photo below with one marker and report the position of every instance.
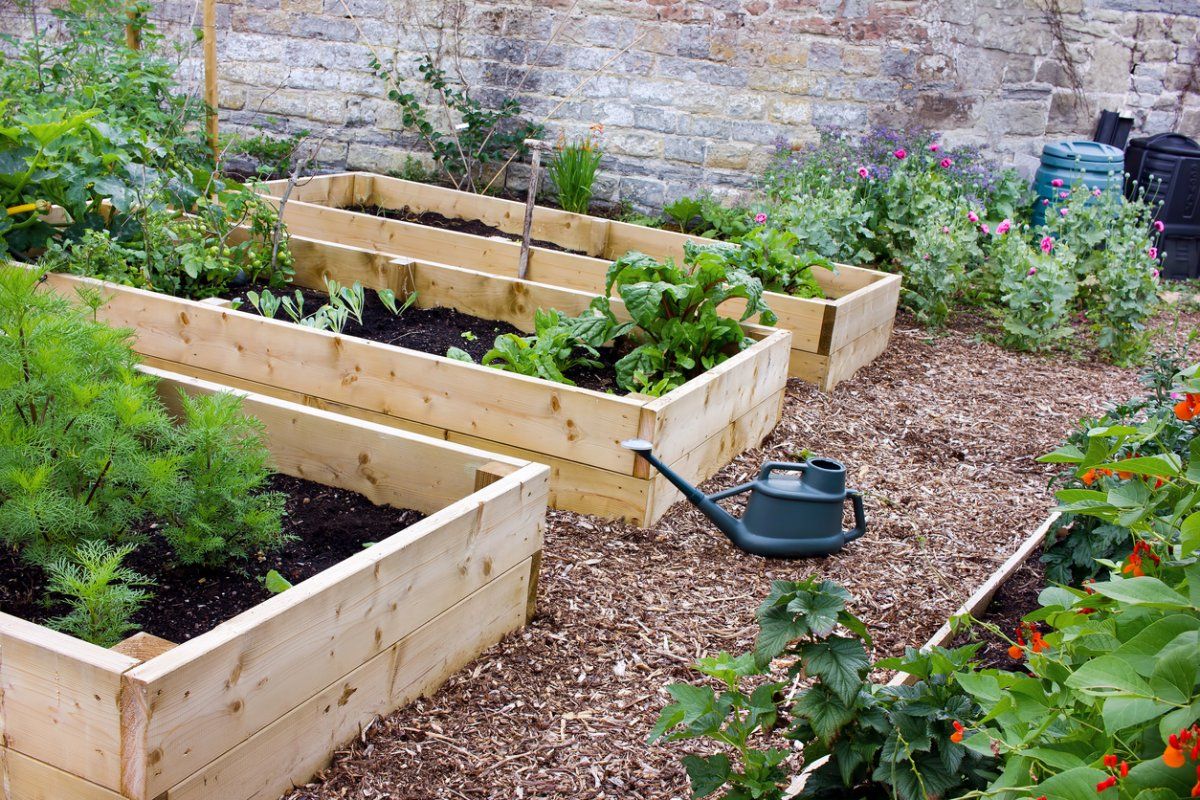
(679, 331)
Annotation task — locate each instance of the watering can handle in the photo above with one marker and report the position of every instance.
(783, 466)
(860, 518)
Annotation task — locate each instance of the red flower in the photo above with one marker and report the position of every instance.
(1110, 761)
(1106, 784)
(957, 736)
(1188, 407)
(1015, 652)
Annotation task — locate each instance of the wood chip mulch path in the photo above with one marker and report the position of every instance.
(940, 433)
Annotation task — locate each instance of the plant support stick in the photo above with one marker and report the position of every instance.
(535, 174)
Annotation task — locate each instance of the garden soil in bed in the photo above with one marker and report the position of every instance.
(434, 331)
(329, 524)
(1015, 598)
(941, 433)
(471, 226)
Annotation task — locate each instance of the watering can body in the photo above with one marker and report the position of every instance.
(794, 510)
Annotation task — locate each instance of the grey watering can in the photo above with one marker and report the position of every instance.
(794, 510)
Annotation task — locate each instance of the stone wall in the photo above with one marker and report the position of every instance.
(695, 93)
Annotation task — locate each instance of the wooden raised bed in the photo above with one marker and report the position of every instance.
(697, 428)
(260, 702)
(831, 339)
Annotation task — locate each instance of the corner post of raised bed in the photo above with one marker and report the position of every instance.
(535, 177)
(486, 475)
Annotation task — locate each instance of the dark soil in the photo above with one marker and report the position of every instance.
(1013, 600)
(435, 330)
(330, 525)
(472, 226)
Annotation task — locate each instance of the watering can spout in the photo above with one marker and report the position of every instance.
(792, 514)
(728, 524)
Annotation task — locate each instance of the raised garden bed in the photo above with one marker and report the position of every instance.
(261, 701)
(697, 428)
(831, 339)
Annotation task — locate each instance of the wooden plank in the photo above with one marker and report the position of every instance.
(491, 472)
(60, 700)
(845, 362)
(981, 598)
(386, 465)
(332, 190)
(190, 705)
(143, 646)
(25, 778)
(706, 459)
(565, 421)
(708, 404)
(290, 750)
(580, 487)
(865, 310)
(810, 367)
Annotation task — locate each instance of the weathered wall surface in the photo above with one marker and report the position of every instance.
(694, 93)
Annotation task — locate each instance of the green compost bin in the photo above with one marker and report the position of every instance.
(1098, 166)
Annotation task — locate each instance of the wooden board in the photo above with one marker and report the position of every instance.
(60, 700)
(862, 300)
(25, 778)
(295, 746)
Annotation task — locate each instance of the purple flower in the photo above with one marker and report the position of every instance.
(1047, 244)
(1032, 271)
(1045, 202)
(900, 153)
(1057, 182)
(945, 229)
(1159, 226)
(760, 218)
(1154, 273)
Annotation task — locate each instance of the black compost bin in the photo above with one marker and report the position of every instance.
(1168, 166)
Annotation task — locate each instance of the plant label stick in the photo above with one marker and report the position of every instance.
(535, 174)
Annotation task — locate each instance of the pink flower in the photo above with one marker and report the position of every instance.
(1004, 226)
(901, 153)
(1047, 244)
(862, 172)
(933, 148)
(1057, 182)
(1158, 225)
(971, 215)
(1153, 251)
(1033, 270)
(985, 229)
(946, 163)
(1062, 212)
(1063, 195)
(1097, 192)
(1177, 396)
(945, 229)
(1045, 202)
(760, 218)
(1154, 273)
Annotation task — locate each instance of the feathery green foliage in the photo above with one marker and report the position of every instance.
(101, 593)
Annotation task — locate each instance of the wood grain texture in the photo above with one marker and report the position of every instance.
(25, 778)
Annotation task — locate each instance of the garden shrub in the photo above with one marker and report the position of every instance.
(88, 452)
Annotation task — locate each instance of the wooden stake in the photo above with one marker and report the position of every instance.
(535, 175)
(210, 72)
(133, 33)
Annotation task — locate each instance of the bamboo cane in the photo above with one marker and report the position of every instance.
(210, 73)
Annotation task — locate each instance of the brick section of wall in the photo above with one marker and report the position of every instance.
(707, 87)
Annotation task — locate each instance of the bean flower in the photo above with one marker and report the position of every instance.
(1182, 747)
(1188, 408)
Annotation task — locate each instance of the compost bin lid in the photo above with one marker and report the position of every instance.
(1093, 152)
(1172, 143)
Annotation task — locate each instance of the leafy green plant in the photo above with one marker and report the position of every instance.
(345, 303)
(683, 211)
(1037, 285)
(573, 170)
(486, 137)
(275, 583)
(775, 257)
(102, 595)
(901, 739)
(933, 274)
(679, 331)
(88, 452)
(268, 156)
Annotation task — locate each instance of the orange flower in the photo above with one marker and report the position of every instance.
(1039, 644)
(1015, 652)
(957, 736)
(1089, 477)
(1188, 408)
(1124, 475)
(1173, 756)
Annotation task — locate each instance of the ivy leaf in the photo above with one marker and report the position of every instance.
(839, 662)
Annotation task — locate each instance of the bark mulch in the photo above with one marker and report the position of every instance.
(940, 432)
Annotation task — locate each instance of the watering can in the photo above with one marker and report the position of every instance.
(794, 510)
